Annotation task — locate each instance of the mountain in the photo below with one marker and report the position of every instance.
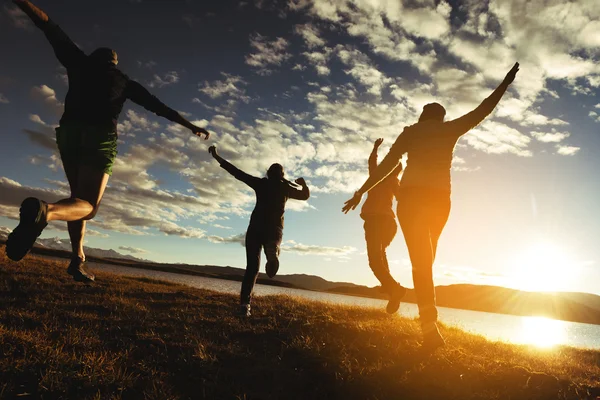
(575, 307)
(65, 245)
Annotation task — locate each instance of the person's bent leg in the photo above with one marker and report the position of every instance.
(91, 183)
(253, 247)
(378, 235)
(272, 250)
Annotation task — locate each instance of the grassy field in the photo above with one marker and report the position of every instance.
(135, 338)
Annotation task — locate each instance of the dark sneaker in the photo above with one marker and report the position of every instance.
(432, 339)
(32, 221)
(78, 272)
(272, 261)
(396, 296)
(245, 310)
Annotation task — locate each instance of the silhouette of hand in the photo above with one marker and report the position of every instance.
(300, 181)
(213, 150)
(201, 131)
(352, 203)
(378, 142)
(510, 77)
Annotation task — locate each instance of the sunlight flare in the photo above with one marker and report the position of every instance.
(543, 267)
(541, 332)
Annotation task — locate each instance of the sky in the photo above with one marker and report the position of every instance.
(311, 85)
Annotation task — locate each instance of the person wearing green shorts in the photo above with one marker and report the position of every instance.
(86, 139)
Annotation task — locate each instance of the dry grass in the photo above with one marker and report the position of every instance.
(135, 338)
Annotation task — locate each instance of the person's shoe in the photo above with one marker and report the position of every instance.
(396, 296)
(33, 216)
(245, 310)
(432, 339)
(272, 264)
(78, 272)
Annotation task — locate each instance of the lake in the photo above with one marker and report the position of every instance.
(537, 331)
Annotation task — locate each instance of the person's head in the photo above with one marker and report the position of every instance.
(275, 171)
(433, 112)
(104, 55)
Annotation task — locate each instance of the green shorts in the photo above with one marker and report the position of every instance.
(87, 145)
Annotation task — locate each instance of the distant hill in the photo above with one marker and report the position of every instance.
(576, 307)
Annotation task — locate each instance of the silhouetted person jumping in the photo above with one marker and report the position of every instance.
(266, 222)
(380, 229)
(424, 199)
(86, 139)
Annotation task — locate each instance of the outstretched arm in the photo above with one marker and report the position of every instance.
(66, 51)
(139, 95)
(299, 194)
(373, 156)
(238, 174)
(462, 125)
(389, 163)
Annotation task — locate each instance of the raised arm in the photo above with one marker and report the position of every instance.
(299, 194)
(139, 95)
(238, 174)
(373, 156)
(66, 51)
(389, 163)
(462, 125)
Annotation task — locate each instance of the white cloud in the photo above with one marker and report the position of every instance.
(310, 34)
(267, 53)
(167, 79)
(230, 86)
(3, 99)
(303, 249)
(550, 137)
(47, 96)
(133, 250)
(567, 150)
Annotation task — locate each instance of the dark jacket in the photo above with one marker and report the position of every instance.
(97, 91)
(271, 196)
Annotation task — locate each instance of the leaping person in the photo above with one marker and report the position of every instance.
(86, 139)
(266, 222)
(424, 200)
(380, 229)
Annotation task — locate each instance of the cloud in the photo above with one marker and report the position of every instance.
(303, 249)
(167, 79)
(133, 250)
(3, 99)
(267, 53)
(240, 239)
(230, 86)
(18, 18)
(567, 150)
(47, 96)
(310, 34)
(550, 137)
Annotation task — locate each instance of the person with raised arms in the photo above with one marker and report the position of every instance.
(265, 230)
(86, 139)
(380, 229)
(424, 198)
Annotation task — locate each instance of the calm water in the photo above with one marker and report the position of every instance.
(537, 331)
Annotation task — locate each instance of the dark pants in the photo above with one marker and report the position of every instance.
(256, 240)
(422, 214)
(379, 233)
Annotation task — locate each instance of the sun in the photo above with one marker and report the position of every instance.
(541, 332)
(543, 267)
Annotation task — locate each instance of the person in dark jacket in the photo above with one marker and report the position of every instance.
(380, 229)
(266, 222)
(86, 139)
(424, 199)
